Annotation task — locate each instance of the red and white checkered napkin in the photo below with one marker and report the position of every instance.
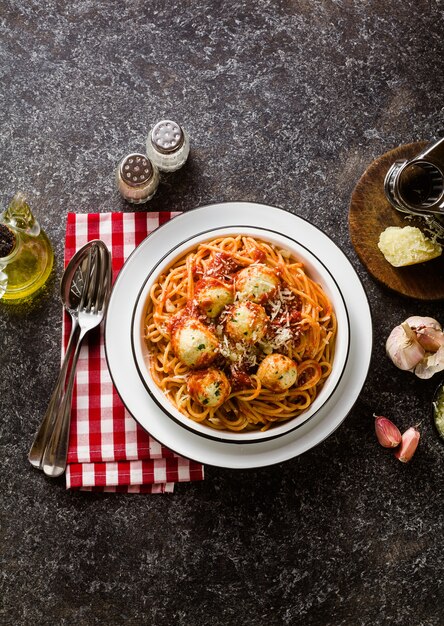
(108, 450)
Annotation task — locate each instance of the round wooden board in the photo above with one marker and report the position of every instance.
(370, 213)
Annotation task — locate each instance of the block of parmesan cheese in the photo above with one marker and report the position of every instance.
(407, 246)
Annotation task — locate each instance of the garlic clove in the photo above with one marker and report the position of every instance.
(431, 339)
(409, 443)
(428, 332)
(416, 321)
(388, 434)
(431, 364)
(403, 348)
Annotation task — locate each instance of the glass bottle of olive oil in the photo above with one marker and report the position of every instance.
(26, 256)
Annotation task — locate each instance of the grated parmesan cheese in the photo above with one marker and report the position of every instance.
(169, 306)
(407, 246)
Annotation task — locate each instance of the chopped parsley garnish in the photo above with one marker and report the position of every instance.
(201, 346)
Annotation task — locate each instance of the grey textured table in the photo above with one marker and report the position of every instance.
(287, 103)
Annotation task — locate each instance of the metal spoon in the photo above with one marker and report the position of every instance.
(91, 311)
(71, 287)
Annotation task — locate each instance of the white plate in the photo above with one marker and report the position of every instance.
(123, 368)
(315, 269)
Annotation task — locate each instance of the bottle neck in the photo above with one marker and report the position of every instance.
(19, 216)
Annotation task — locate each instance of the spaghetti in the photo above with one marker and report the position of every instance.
(240, 337)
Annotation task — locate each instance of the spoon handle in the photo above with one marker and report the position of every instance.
(54, 458)
(37, 450)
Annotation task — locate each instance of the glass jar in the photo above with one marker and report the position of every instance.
(137, 178)
(26, 256)
(168, 145)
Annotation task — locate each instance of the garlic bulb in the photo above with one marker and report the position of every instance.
(417, 345)
(403, 347)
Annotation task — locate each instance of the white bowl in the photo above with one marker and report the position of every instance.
(315, 268)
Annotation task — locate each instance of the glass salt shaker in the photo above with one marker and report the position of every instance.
(168, 145)
(137, 178)
(26, 256)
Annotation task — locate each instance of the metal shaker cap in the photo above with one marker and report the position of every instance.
(136, 170)
(167, 136)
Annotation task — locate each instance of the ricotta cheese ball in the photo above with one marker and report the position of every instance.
(212, 296)
(210, 388)
(193, 343)
(277, 372)
(246, 322)
(257, 283)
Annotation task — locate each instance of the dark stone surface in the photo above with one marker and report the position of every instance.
(287, 102)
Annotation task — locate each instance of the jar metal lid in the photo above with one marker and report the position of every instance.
(167, 136)
(136, 170)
